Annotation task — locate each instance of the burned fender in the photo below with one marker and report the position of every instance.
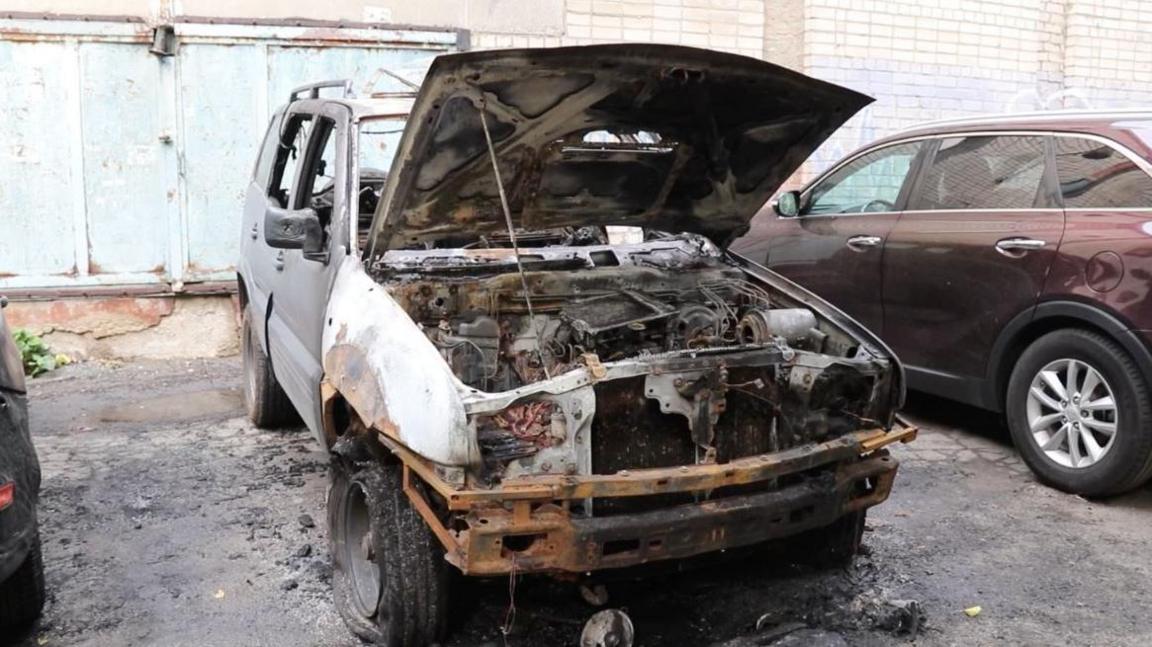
(390, 374)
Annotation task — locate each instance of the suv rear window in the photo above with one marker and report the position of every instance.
(1004, 172)
(1095, 175)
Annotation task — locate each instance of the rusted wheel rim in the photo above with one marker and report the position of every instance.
(1072, 413)
(358, 556)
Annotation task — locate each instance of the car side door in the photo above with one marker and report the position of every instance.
(970, 252)
(319, 196)
(834, 246)
(255, 265)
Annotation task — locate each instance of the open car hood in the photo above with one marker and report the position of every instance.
(658, 136)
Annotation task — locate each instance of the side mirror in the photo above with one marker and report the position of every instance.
(787, 204)
(295, 229)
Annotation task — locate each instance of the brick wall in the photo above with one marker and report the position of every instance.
(1108, 53)
(930, 59)
(920, 59)
(730, 25)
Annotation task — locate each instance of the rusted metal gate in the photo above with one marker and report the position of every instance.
(124, 167)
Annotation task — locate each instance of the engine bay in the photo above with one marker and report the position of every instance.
(595, 303)
(691, 358)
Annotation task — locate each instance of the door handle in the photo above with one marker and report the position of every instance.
(862, 243)
(279, 264)
(1016, 246)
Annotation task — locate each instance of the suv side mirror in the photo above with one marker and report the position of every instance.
(295, 229)
(787, 204)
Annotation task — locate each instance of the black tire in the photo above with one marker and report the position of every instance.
(267, 404)
(414, 578)
(832, 546)
(22, 594)
(1128, 462)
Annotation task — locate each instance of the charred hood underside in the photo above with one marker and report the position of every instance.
(664, 137)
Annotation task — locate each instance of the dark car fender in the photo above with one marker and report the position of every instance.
(18, 464)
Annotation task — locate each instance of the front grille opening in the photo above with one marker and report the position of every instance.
(618, 546)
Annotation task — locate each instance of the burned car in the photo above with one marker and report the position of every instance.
(526, 345)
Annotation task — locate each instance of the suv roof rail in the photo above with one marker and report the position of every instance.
(1036, 114)
(313, 89)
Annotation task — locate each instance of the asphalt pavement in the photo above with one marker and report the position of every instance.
(168, 519)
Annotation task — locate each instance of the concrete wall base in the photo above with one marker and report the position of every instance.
(124, 328)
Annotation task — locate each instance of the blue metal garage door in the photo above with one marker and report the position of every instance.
(121, 167)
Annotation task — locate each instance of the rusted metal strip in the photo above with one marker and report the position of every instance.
(154, 290)
(552, 541)
(429, 515)
(904, 433)
(686, 478)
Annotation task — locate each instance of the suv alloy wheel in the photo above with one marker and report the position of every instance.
(1081, 414)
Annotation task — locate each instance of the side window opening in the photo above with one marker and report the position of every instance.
(262, 171)
(985, 172)
(869, 183)
(318, 183)
(292, 144)
(1094, 175)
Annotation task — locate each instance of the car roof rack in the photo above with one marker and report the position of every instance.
(1037, 115)
(313, 89)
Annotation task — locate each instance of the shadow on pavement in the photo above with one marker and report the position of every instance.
(951, 415)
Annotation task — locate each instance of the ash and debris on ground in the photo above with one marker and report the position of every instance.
(168, 519)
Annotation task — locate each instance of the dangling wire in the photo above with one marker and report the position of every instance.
(510, 614)
(515, 246)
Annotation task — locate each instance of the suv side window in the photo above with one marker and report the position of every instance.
(293, 140)
(985, 172)
(869, 183)
(1095, 175)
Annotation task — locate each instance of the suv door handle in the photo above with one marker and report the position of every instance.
(861, 243)
(279, 263)
(1011, 246)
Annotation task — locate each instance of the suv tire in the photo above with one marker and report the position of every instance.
(1126, 459)
(404, 598)
(268, 406)
(22, 594)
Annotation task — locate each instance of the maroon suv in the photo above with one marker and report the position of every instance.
(1007, 261)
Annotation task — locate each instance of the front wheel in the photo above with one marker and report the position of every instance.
(390, 579)
(1080, 414)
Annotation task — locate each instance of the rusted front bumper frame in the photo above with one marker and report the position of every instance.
(525, 525)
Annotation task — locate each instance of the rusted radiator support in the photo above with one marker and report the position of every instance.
(532, 511)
